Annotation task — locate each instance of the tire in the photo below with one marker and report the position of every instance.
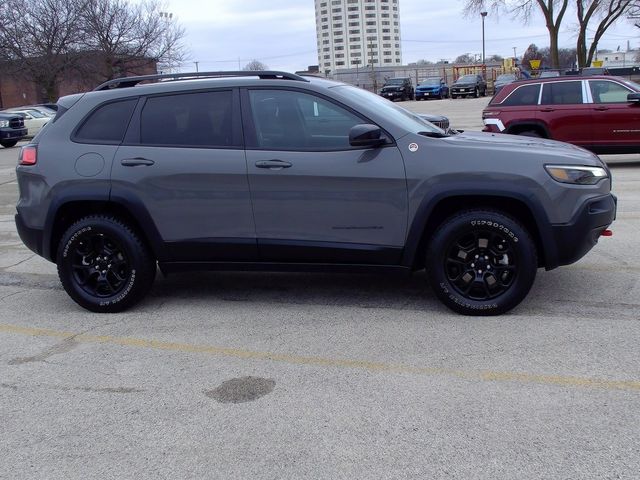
(103, 264)
(481, 262)
(8, 143)
(476, 93)
(453, 97)
(530, 133)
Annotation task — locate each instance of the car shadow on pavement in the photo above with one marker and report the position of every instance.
(397, 291)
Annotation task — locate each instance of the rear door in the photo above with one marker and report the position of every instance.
(315, 197)
(183, 165)
(564, 110)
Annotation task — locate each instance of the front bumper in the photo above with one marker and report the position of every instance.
(574, 239)
(391, 95)
(31, 237)
(428, 94)
(463, 90)
(12, 133)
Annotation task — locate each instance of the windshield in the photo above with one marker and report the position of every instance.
(395, 81)
(36, 114)
(635, 86)
(505, 77)
(467, 79)
(387, 109)
(430, 81)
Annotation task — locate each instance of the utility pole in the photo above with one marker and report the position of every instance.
(196, 66)
(483, 14)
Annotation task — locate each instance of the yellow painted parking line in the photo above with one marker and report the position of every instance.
(489, 376)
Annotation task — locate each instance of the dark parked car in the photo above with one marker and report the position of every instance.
(12, 129)
(433, 87)
(274, 171)
(600, 113)
(469, 86)
(399, 88)
(503, 80)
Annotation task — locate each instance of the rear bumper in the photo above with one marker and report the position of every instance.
(31, 237)
(573, 240)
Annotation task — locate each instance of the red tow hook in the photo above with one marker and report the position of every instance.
(607, 233)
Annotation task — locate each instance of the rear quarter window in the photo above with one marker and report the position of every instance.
(524, 95)
(107, 124)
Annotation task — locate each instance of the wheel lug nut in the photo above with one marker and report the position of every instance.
(473, 265)
(477, 256)
(479, 271)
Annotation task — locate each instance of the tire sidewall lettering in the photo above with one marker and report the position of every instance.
(496, 225)
(73, 238)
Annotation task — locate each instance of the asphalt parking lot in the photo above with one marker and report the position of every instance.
(259, 375)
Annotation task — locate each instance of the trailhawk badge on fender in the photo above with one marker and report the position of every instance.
(413, 147)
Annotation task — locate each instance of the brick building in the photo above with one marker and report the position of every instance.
(92, 69)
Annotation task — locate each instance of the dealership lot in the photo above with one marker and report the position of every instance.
(259, 375)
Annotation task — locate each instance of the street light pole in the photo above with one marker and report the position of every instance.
(483, 14)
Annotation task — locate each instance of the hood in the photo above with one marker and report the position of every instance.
(391, 87)
(465, 84)
(526, 147)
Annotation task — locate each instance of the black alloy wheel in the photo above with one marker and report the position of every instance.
(103, 265)
(481, 262)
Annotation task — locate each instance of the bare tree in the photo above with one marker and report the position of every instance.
(128, 36)
(603, 13)
(553, 12)
(464, 58)
(255, 65)
(39, 40)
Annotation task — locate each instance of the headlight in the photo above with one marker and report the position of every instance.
(4, 123)
(576, 175)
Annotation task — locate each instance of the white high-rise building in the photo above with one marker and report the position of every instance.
(357, 33)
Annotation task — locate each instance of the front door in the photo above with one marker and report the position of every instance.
(315, 197)
(616, 121)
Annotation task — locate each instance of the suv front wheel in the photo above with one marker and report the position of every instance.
(481, 262)
(103, 265)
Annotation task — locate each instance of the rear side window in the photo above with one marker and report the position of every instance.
(562, 93)
(107, 124)
(525, 95)
(201, 119)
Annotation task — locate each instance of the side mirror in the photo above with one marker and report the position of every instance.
(633, 98)
(365, 135)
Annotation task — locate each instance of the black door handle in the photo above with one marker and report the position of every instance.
(136, 162)
(273, 164)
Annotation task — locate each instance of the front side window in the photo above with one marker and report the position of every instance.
(288, 120)
(562, 93)
(605, 91)
(525, 95)
(201, 119)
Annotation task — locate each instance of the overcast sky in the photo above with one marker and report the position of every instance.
(281, 33)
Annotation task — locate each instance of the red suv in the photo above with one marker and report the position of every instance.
(600, 113)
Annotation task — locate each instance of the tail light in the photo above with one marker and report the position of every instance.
(28, 155)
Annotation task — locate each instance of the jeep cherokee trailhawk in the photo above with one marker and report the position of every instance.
(269, 170)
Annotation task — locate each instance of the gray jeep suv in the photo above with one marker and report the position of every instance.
(269, 170)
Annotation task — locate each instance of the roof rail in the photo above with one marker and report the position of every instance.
(126, 82)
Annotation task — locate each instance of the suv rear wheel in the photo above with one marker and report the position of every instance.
(103, 265)
(8, 143)
(481, 262)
